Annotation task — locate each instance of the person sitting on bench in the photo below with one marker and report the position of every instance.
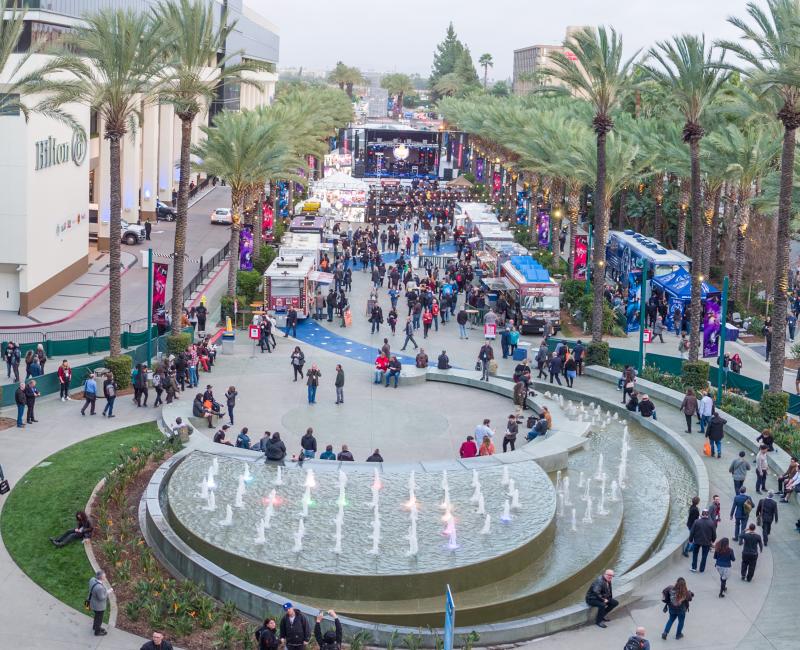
(539, 429)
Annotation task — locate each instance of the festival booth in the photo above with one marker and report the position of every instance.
(466, 211)
(493, 234)
(677, 288)
(344, 195)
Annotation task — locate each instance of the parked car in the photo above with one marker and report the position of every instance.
(131, 234)
(222, 215)
(165, 212)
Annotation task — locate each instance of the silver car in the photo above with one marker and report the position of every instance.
(222, 215)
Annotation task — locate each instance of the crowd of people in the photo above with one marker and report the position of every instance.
(422, 201)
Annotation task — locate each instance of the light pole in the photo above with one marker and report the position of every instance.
(722, 334)
(642, 313)
(149, 305)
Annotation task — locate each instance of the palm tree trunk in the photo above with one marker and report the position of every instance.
(711, 239)
(485, 75)
(233, 242)
(573, 210)
(743, 222)
(782, 261)
(622, 213)
(181, 221)
(600, 232)
(534, 203)
(695, 307)
(683, 207)
(657, 188)
(114, 252)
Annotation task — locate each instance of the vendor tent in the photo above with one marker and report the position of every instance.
(340, 181)
(678, 284)
(461, 181)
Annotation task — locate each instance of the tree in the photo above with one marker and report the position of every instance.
(465, 69)
(486, 61)
(500, 89)
(339, 75)
(397, 84)
(193, 73)
(446, 57)
(353, 78)
(449, 85)
(602, 77)
(774, 70)
(111, 63)
(694, 78)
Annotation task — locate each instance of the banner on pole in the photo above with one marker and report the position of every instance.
(544, 229)
(711, 326)
(160, 271)
(581, 245)
(246, 248)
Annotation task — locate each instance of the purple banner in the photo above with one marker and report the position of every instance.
(544, 230)
(711, 327)
(246, 248)
(479, 170)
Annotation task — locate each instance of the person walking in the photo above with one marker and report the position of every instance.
(312, 382)
(97, 601)
(376, 318)
(485, 355)
(110, 393)
(638, 640)
(339, 384)
(14, 358)
(542, 354)
(409, 332)
(89, 394)
(676, 598)
(510, 437)
(202, 312)
(570, 370)
(267, 635)
(705, 409)
(766, 513)
(740, 511)
(751, 548)
(600, 595)
(762, 466)
(555, 366)
(230, 401)
(64, 379)
(31, 393)
(738, 469)
(20, 400)
(701, 536)
(291, 323)
(297, 359)
(723, 559)
(461, 318)
(294, 628)
(693, 516)
(689, 408)
(715, 433)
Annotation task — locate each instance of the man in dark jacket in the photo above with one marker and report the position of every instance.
(309, 443)
(751, 547)
(555, 366)
(291, 322)
(647, 408)
(376, 318)
(345, 454)
(600, 595)
(294, 628)
(740, 511)
(202, 313)
(339, 384)
(766, 513)
(443, 363)
(331, 640)
(715, 433)
(394, 370)
(158, 643)
(375, 457)
(275, 450)
(20, 401)
(702, 535)
(485, 355)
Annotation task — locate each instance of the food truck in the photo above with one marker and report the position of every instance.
(291, 280)
(534, 293)
(465, 213)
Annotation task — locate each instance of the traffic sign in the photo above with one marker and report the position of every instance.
(648, 336)
(253, 332)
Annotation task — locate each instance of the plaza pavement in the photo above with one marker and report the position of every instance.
(755, 615)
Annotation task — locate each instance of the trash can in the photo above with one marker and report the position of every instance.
(521, 353)
(228, 342)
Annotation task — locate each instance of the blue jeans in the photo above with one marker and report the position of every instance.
(193, 375)
(680, 614)
(703, 422)
(108, 409)
(20, 413)
(718, 445)
(312, 394)
(379, 374)
(462, 331)
(308, 453)
(395, 374)
(739, 527)
(230, 414)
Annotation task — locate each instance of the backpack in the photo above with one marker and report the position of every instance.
(156, 380)
(530, 422)
(634, 643)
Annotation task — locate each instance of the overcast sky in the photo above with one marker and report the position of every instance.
(401, 36)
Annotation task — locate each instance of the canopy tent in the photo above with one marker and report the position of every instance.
(460, 181)
(340, 181)
(346, 195)
(678, 284)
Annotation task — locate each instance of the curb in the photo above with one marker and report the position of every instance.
(87, 546)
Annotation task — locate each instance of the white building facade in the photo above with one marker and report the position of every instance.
(56, 186)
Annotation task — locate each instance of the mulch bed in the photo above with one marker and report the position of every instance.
(7, 423)
(120, 393)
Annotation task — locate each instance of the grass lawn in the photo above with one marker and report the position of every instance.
(43, 504)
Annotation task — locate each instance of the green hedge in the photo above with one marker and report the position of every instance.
(178, 343)
(597, 354)
(121, 366)
(695, 374)
(773, 406)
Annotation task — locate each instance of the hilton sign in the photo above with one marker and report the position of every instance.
(50, 153)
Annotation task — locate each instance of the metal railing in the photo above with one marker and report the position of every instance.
(29, 337)
(206, 267)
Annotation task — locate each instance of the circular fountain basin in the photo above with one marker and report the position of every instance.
(317, 571)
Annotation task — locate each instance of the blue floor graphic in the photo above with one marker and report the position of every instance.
(391, 258)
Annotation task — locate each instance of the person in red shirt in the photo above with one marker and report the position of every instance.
(468, 448)
(381, 366)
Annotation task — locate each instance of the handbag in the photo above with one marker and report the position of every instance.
(707, 447)
(4, 486)
(478, 365)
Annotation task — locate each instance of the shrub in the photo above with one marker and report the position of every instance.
(652, 373)
(177, 343)
(773, 406)
(226, 307)
(597, 354)
(248, 284)
(756, 325)
(585, 304)
(695, 374)
(264, 258)
(573, 290)
(795, 351)
(121, 366)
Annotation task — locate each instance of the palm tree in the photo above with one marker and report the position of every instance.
(243, 149)
(353, 78)
(693, 77)
(449, 85)
(601, 76)
(191, 78)
(486, 61)
(397, 84)
(111, 63)
(339, 75)
(774, 69)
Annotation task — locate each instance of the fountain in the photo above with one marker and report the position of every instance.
(599, 472)
(481, 506)
(204, 490)
(377, 484)
(210, 481)
(238, 502)
(587, 517)
(614, 491)
(311, 481)
(585, 496)
(305, 502)
(452, 543)
(506, 516)
(565, 491)
(260, 537)
(601, 506)
(298, 537)
(341, 500)
(269, 511)
(278, 478)
(558, 481)
(621, 474)
(475, 480)
(215, 465)
(445, 484)
(511, 487)
(487, 525)
(615, 416)
(212, 503)
(560, 510)
(446, 501)
(228, 516)
(574, 521)
(515, 505)
(413, 546)
(376, 492)
(476, 494)
(505, 479)
(376, 533)
(581, 481)
(247, 475)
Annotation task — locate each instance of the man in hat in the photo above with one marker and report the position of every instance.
(294, 628)
(331, 640)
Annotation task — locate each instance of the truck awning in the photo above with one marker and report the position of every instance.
(498, 284)
(320, 277)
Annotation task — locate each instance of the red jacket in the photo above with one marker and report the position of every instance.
(468, 449)
(427, 318)
(64, 376)
(381, 363)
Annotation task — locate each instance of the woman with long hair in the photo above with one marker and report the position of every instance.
(82, 530)
(677, 599)
(694, 515)
(724, 557)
